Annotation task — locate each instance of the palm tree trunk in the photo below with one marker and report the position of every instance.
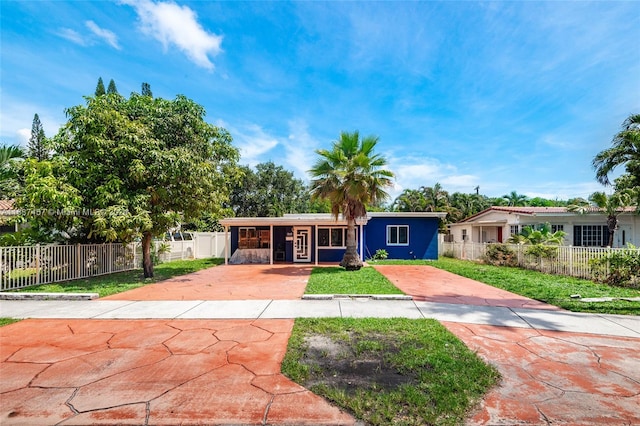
(612, 223)
(351, 259)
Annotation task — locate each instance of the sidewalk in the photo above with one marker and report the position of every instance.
(207, 361)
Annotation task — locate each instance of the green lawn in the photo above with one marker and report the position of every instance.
(388, 371)
(553, 289)
(335, 280)
(106, 285)
(7, 321)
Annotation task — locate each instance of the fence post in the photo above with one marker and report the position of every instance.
(78, 260)
(38, 263)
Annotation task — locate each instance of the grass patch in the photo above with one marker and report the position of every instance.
(553, 289)
(388, 371)
(7, 321)
(336, 280)
(106, 285)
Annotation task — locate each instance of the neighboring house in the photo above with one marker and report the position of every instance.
(589, 229)
(305, 238)
(7, 212)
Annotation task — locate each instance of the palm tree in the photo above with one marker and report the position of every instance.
(612, 205)
(515, 199)
(625, 149)
(410, 200)
(8, 155)
(437, 198)
(351, 177)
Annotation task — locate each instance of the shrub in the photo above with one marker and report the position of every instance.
(500, 255)
(623, 268)
(380, 254)
(542, 251)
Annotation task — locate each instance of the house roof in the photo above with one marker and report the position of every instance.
(6, 205)
(318, 219)
(539, 211)
(7, 208)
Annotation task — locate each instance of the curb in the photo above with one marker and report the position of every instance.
(48, 296)
(357, 296)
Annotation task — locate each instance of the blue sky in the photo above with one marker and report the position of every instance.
(510, 96)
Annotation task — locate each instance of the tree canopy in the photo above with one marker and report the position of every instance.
(270, 190)
(138, 167)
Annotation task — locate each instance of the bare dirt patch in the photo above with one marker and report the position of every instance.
(359, 362)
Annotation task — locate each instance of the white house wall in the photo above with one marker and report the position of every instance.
(628, 222)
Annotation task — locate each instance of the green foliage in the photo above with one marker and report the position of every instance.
(380, 254)
(146, 90)
(500, 255)
(10, 156)
(270, 191)
(623, 267)
(542, 251)
(139, 166)
(38, 143)
(540, 235)
(112, 89)
(100, 90)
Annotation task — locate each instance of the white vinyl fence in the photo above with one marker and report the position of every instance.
(570, 261)
(25, 266)
(31, 265)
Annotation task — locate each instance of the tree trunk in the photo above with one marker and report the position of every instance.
(612, 223)
(351, 259)
(147, 263)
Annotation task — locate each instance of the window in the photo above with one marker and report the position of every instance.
(398, 235)
(332, 237)
(556, 228)
(464, 235)
(590, 235)
(247, 238)
(514, 229)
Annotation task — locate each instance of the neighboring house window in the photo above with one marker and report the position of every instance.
(331, 237)
(590, 235)
(464, 235)
(515, 229)
(398, 235)
(556, 228)
(247, 238)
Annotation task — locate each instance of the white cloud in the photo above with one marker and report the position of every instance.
(23, 136)
(300, 149)
(172, 24)
(253, 142)
(73, 36)
(106, 35)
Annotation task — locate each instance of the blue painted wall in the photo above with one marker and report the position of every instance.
(423, 237)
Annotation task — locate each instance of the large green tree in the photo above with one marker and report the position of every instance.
(38, 146)
(352, 177)
(268, 191)
(141, 165)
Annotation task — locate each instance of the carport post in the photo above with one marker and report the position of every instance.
(270, 244)
(226, 246)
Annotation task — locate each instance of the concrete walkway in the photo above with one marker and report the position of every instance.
(217, 361)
